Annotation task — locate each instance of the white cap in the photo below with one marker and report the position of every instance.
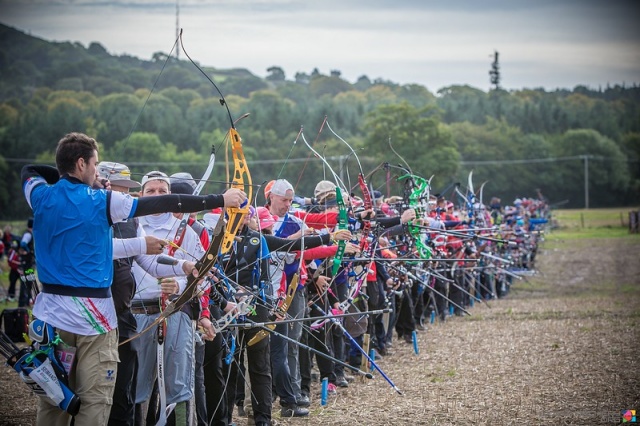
(156, 175)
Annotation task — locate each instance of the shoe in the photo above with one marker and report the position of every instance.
(303, 401)
(332, 389)
(408, 339)
(341, 382)
(420, 327)
(377, 356)
(241, 412)
(11, 299)
(294, 411)
(349, 379)
(383, 351)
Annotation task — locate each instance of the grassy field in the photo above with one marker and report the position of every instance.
(594, 218)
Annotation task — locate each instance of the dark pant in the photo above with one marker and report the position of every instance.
(259, 368)
(14, 277)
(406, 323)
(200, 393)
(215, 377)
(376, 293)
(305, 365)
(321, 340)
(280, 366)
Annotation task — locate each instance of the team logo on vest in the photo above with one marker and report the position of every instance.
(254, 241)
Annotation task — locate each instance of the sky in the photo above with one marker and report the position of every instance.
(546, 44)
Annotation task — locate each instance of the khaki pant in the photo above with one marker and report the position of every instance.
(92, 378)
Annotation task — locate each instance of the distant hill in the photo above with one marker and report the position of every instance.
(28, 62)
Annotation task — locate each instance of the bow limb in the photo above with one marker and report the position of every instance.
(241, 180)
(241, 175)
(207, 172)
(416, 192)
(366, 195)
(342, 216)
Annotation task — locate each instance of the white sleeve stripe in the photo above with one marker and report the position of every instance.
(29, 186)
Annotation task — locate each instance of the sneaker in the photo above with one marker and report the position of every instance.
(349, 379)
(294, 411)
(332, 389)
(303, 401)
(341, 382)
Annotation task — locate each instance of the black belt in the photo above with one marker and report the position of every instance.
(65, 290)
(145, 307)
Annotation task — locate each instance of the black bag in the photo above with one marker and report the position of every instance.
(16, 322)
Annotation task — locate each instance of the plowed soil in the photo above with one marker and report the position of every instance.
(561, 348)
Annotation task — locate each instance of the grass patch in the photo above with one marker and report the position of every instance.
(594, 218)
(585, 233)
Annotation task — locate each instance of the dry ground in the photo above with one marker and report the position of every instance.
(560, 349)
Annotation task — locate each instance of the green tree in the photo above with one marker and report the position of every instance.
(276, 74)
(417, 135)
(117, 114)
(609, 176)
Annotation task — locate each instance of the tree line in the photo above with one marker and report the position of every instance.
(518, 141)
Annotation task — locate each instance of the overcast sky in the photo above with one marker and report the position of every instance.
(550, 44)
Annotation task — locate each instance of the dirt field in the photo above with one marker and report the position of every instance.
(560, 349)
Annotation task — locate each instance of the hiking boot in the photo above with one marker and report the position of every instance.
(303, 401)
(342, 382)
(294, 411)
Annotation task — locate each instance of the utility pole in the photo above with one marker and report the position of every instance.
(177, 29)
(494, 78)
(494, 73)
(586, 180)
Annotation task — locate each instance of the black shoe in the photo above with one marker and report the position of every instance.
(383, 351)
(408, 339)
(341, 382)
(294, 411)
(241, 412)
(303, 401)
